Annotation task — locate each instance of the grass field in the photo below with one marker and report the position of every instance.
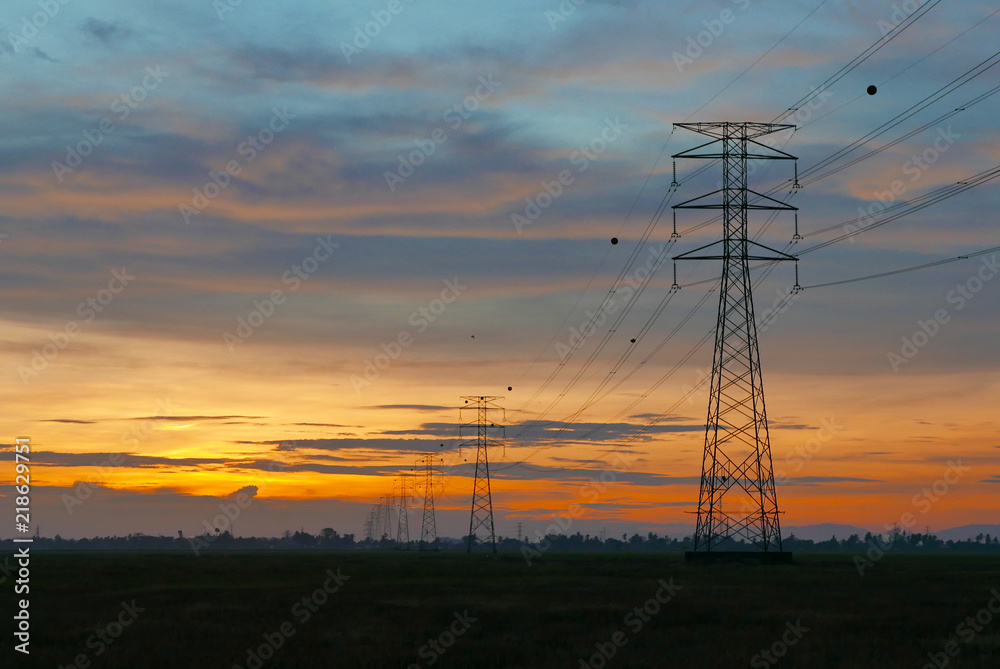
(208, 611)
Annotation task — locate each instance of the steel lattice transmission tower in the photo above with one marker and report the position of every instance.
(736, 464)
(377, 521)
(485, 407)
(383, 520)
(428, 528)
(370, 524)
(403, 517)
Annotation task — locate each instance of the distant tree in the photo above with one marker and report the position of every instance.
(303, 539)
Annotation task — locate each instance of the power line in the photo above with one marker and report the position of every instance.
(904, 270)
(591, 400)
(615, 286)
(677, 366)
(566, 422)
(883, 82)
(593, 275)
(948, 88)
(759, 58)
(632, 207)
(539, 418)
(633, 298)
(953, 85)
(905, 203)
(944, 117)
(939, 196)
(769, 267)
(875, 47)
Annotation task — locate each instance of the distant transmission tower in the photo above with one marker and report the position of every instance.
(384, 519)
(428, 528)
(370, 524)
(737, 460)
(403, 521)
(482, 502)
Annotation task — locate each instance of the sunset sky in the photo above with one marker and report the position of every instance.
(212, 226)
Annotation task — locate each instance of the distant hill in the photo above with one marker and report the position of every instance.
(823, 531)
(967, 532)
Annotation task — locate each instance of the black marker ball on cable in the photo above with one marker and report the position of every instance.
(872, 90)
(614, 240)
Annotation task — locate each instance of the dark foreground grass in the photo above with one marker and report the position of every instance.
(208, 611)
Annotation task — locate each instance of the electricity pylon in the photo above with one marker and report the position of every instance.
(428, 528)
(377, 521)
(403, 521)
(736, 463)
(482, 500)
(383, 520)
(370, 524)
